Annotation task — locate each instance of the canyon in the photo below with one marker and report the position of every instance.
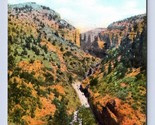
(57, 75)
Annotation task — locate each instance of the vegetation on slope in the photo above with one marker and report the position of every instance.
(44, 59)
(121, 76)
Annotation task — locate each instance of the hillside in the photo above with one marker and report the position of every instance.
(117, 86)
(44, 59)
(112, 37)
(46, 55)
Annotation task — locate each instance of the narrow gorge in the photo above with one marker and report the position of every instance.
(59, 76)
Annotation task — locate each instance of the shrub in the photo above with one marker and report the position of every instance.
(122, 94)
(70, 79)
(45, 49)
(24, 52)
(11, 62)
(109, 68)
(49, 78)
(94, 82)
(121, 69)
(61, 49)
(54, 43)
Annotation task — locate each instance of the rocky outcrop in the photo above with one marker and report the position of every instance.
(112, 111)
(128, 30)
(117, 90)
(89, 41)
(90, 36)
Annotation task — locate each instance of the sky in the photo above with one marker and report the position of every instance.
(90, 14)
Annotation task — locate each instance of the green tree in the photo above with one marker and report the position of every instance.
(45, 48)
(94, 82)
(61, 49)
(86, 116)
(115, 63)
(109, 68)
(60, 116)
(70, 79)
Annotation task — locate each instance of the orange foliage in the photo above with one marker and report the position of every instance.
(33, 121)
(47, 108)
(118, 110)
(134, 72)
(59, 89)
(36, 66)
(123, 84)
(100, 43)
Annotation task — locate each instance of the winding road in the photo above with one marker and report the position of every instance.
(83, 99)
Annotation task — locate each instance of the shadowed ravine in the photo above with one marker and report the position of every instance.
(84, 102)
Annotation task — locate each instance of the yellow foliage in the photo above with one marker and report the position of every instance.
(59, 89)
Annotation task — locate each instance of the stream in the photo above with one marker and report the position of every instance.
(83, 101)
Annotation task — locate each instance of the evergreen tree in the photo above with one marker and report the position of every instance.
(109, 68)
(60, 116)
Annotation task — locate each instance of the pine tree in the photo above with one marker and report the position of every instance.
(109, 68)
(60, 116)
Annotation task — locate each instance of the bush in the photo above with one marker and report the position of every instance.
(122, 94)
(24, 52)
(70, 79)
(11, 62)
(54, 43)
(45, 49)
(109, 68)
(29, 77)
(49, 78)
(121, 69)
(61, 49)
(94, 82)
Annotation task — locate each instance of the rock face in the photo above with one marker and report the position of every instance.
(91, 43)
(115, 112)
(90, 36)
(117, 34)
(117, 88)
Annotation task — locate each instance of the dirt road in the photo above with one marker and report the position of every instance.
(81, 95)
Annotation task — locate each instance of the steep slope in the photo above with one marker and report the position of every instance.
(44, 17)
(117, 86)
(114, 35)
(43, 59)
(89, 37)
